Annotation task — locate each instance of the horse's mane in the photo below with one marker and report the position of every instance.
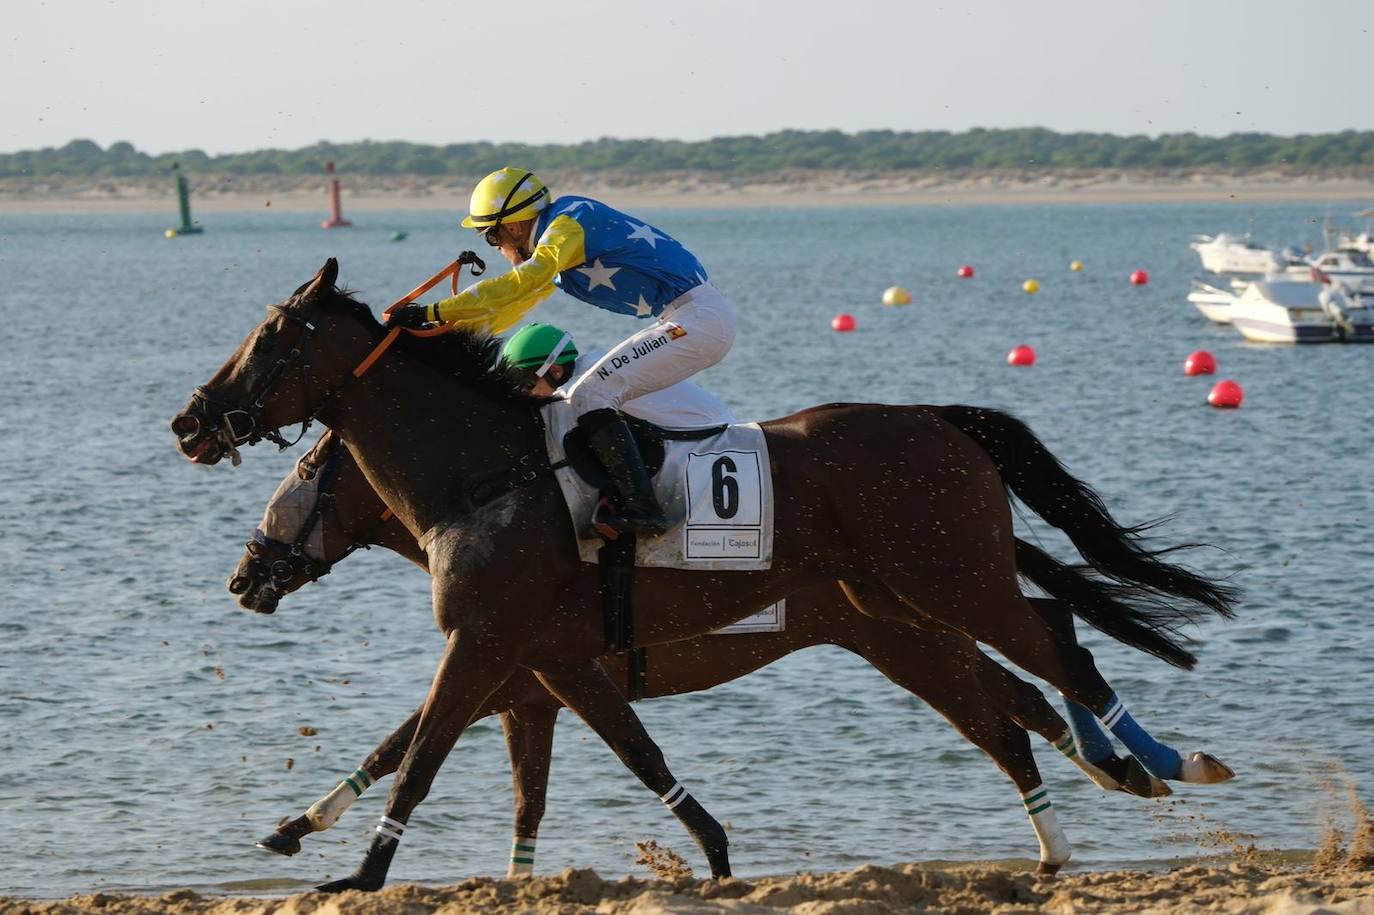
(470, 357)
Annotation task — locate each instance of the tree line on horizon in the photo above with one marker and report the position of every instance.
(873, 150)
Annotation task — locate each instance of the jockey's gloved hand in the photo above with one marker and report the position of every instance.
(414, 316)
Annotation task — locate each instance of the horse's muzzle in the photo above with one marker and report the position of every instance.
(196, 439)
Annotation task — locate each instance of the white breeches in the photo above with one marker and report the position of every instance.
(694, 332)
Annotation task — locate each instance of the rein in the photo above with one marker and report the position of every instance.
(231, 437)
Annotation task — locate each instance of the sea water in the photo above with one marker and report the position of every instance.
(149, 727)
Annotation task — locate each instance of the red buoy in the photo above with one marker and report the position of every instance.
(1139, 278)
(1021, 355)
(1226, 394)
(965, 272)
(1200, 362)
(842, 323)
(335, 220)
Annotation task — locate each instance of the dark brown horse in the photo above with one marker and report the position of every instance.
(325, 509)
(903, 506)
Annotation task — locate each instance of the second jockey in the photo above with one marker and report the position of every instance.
(610, 260)
(549, 361)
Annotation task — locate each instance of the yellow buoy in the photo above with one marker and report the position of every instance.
(170, 233)
(896, 295)
(1076, 266)
(1030, 287)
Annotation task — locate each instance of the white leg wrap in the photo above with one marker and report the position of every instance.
(521, 856)
(1070, 750)
(325, 812)
(1054, 844)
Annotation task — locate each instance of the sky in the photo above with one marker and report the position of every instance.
(236, 75)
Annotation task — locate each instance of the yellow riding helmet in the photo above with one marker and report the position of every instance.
(509, 195)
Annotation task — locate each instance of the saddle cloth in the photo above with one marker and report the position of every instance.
(721, 489)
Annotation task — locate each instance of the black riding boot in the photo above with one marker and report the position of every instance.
(637, 508)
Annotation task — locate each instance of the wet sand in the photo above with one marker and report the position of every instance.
(362, 193)
(1279, 886)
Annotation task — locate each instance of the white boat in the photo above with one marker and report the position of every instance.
(1301, 312)
(1352, 269)
(1362, 242)
(1213, 301)
(1228, 254)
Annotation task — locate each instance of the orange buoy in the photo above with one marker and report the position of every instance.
(1021, 355)
(1030, 287)
(1199, 362)
(842, 323)
(965, 272)
(1226, 393)
(1139, 278)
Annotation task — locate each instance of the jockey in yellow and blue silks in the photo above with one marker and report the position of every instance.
(613, 261)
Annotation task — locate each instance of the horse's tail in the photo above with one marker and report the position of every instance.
(1036, 477)
(1127, 615)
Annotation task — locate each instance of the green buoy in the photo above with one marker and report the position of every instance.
(184, 201)
(398, 236)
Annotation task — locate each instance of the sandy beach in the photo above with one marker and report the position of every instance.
(1249, 884)
(688, 189)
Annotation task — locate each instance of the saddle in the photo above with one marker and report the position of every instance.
(616, 558)
(648, 437)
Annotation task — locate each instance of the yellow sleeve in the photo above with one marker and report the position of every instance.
(497, 303)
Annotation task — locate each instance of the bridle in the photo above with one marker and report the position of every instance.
(230, 435)
(278, 573)
(234, 425)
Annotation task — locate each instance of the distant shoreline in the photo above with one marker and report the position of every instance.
(220, 193)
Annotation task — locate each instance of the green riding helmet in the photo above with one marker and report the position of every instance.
(539, 347)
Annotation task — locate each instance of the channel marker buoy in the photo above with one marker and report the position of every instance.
(335, 220)
(1226, 394)
(1200, 362)
(896, 295)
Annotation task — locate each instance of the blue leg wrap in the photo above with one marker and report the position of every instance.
(1159, 760)
(1093, 744)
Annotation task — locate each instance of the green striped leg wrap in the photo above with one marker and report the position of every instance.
(359, 781)
(1054, 845)
(1069, 747)
(325, 812)
(521, 856)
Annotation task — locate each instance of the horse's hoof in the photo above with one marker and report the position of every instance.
(352, 882)
(1136, 780)
(1204, 769)
(1047, 869)
(280, 844)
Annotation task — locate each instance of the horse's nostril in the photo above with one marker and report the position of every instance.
(239, 584)
(185, 425)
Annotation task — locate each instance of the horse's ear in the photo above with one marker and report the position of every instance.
(323, 280)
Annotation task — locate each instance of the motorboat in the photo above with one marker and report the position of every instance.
(1362, 242)
(1351, 268)
(1213, 301)
(1228, 254)
(1294, 311)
